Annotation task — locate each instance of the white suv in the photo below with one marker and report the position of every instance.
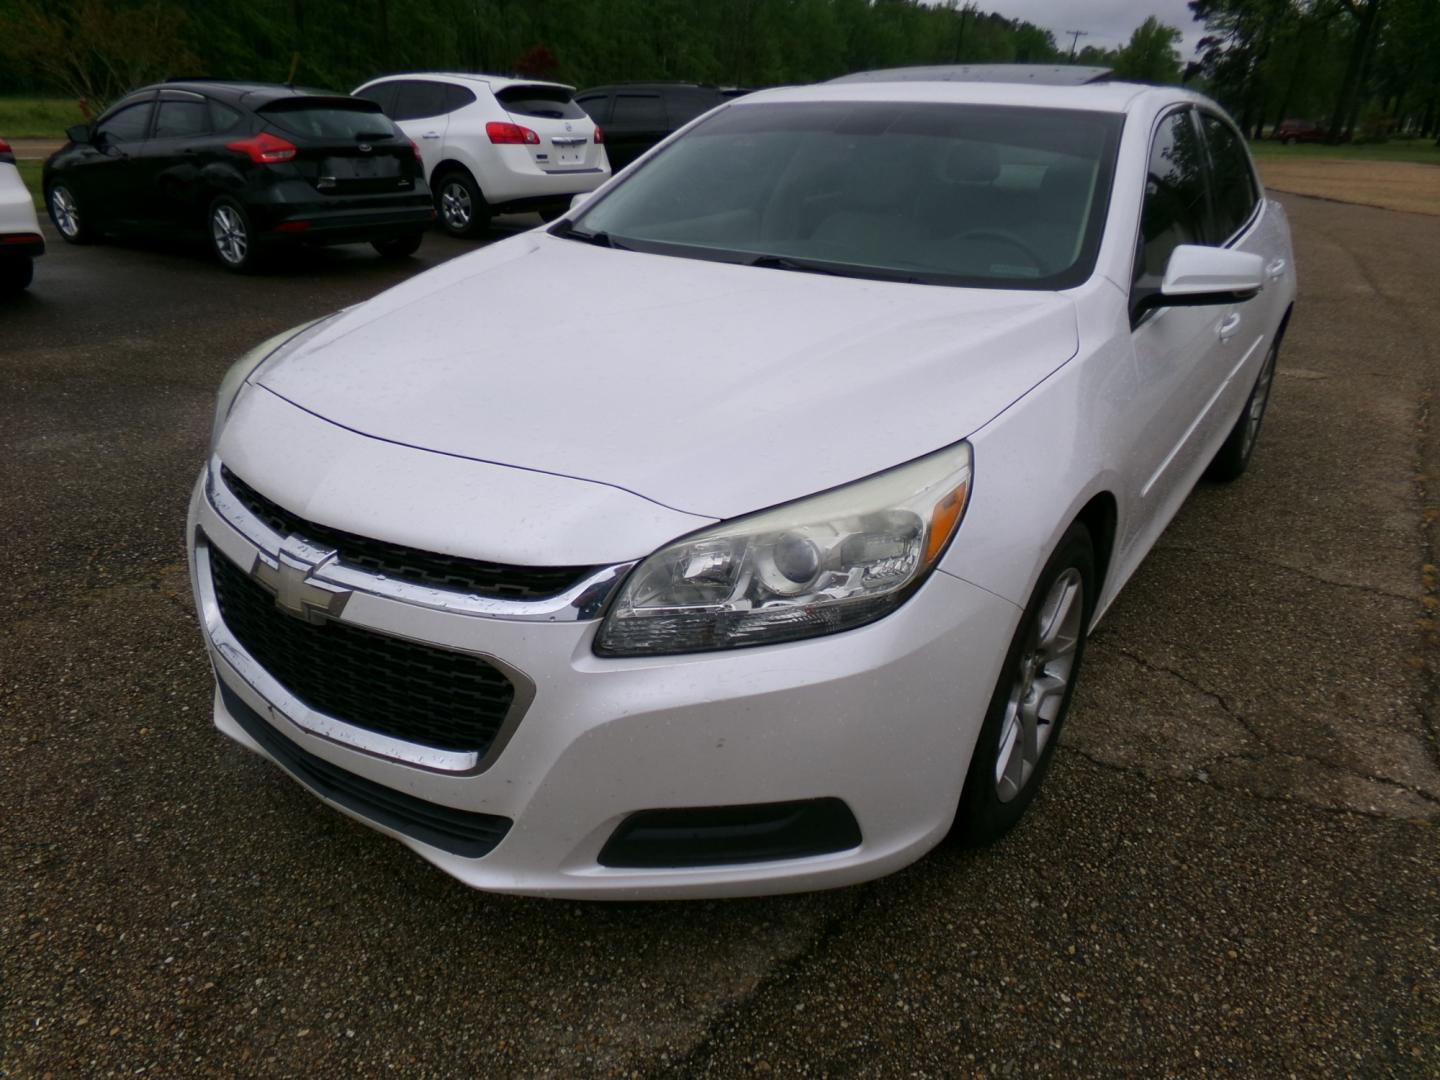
(493, 145)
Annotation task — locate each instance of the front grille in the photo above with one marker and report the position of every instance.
(419, 693)
(460, 832)
(408, 564)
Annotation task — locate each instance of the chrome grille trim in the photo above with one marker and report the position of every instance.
(584, 600)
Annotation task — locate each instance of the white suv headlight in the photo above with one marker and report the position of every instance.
(829, 562)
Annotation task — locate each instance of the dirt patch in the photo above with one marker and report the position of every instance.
(1392, 185)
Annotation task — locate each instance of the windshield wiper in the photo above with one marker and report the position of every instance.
(566, 230)
(805, 266)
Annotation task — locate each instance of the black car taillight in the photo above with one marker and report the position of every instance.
(265, 149)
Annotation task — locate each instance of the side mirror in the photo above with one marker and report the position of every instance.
(1199, 276)
(580, 200)
(79, 134)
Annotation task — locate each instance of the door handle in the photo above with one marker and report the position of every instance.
(1229, 326)
(1276, 268)
(431, 135)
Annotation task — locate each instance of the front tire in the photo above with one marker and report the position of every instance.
(1032, 697)
(460, 206)
(398, 247)
(232, 236)
(73, 226)
(1234, 455)
(16, 274)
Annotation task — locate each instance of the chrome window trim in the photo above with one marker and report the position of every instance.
(278, 704)
(585, 600)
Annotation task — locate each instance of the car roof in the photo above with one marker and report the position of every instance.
(1111, 97)
(1042, 74)
(652, 86)
(494, 82)
(254, 93)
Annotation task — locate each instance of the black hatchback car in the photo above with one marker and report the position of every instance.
(251, 165)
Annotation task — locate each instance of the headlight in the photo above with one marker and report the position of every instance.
(822, 564)
(243, 368)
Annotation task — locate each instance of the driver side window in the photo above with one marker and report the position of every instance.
(1174, 210)
(127, 125)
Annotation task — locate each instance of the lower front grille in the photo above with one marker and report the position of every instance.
(459, 832)
(419, 693)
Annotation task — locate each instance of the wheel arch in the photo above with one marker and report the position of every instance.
(452, 164)
(1100, 516)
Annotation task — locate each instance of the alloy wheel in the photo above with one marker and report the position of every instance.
(227, 229)
(1255, 410)
(455, 205)
(1046, 668)
(65, 212)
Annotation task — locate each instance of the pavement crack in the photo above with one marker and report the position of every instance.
(692, 1063)
(1270, 750)
(1225, 705)
(1237, 556)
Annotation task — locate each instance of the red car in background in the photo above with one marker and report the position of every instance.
(1298, 131)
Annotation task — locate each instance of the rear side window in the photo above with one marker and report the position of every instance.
(597, 105)
(1234, 183)
(639, 110)
(1174, 211)
(327, 119)
(546, 102)
(419, 100)
(183, 119)
(457, 97)
(223, 117)
(127, 125)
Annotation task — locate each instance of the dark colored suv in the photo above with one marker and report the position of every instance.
(636, 116)
(252, 165)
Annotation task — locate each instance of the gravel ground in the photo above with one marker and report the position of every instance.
(1234, 868)
(1390, 185)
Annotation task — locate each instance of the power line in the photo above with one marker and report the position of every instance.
(1075, 36)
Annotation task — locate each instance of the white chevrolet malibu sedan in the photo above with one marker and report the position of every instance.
(740, 532)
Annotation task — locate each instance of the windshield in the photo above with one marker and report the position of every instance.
(1001, 197)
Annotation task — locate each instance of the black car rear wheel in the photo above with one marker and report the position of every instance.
(460, 205)
(73, 226)
(232, 236)
(399, 247)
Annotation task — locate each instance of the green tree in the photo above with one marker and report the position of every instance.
(1151, 55)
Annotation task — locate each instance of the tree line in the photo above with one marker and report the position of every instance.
(1364, 67)
(97, 49)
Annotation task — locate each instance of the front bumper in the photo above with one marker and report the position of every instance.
(883, 718)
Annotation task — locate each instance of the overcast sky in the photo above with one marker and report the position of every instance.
(1108, 22)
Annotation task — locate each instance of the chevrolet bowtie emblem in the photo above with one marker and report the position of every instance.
(288, 577)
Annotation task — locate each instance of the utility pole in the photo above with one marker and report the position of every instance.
(1075, 36)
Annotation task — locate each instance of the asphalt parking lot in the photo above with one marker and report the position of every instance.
(1234, 866)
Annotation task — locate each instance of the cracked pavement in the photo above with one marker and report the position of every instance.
(1234, 866)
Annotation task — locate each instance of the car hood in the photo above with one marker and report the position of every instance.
(709, 388)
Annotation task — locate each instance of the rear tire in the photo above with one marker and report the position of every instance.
(460, 206)
(1032, 697)
(73, 226)
(16, 274)
(232, 236)
(1233, 457)
(398, 247)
